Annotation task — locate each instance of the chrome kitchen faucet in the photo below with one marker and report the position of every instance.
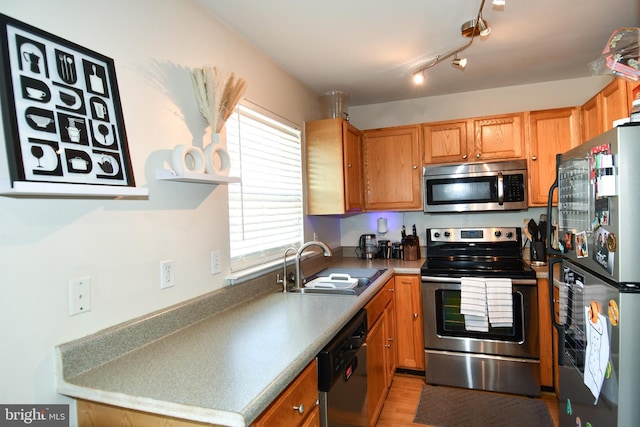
(326, 251)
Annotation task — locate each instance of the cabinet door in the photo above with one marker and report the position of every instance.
(391, 356)
(295, 404)
(410, 338)
(615, 103)
(352, 168)
(498, 137)
(551, 132)
(592, 117)
(376, 378)
(546, 334)
(334, 167)
(445, 142)
(392, 168)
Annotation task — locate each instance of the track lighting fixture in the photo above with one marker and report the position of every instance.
(475, 27)
(459, 62)
(418, 77)
(472, 28)
(499, 2)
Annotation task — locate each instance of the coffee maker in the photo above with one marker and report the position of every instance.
(368, 246)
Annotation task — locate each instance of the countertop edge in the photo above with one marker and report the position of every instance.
(261, 401)
(170, 409)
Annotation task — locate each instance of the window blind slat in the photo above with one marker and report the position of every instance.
(265, 208)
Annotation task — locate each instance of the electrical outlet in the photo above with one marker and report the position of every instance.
(79, 295)
(167, 274)
(216, 268)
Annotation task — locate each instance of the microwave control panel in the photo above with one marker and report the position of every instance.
(514, 188)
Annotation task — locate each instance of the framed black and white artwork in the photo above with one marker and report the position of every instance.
(61, 110)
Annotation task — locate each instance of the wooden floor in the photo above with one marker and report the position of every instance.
(402, 401)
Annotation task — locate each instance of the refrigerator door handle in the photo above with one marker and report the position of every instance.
(554, 186)
(559, 327)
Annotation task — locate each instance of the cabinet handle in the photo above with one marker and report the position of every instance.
(390, 339)
(415, 315)
(534, 158)
(349, 165)
(300, 408)
(478, 156)
(388, 345)
(464, 157)
(415, 167)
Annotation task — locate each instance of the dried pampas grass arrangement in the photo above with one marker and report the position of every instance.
(217, 94)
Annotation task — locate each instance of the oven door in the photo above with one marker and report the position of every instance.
(444, 326)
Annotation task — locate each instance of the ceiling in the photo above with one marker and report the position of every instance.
(371, 48)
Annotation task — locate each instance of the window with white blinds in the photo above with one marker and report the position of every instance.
(266, 207)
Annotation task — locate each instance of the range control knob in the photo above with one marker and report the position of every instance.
(498, 233)
(447, 234)
(509, 234)
(436, 234)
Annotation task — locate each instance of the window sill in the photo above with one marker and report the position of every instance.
(247, 274)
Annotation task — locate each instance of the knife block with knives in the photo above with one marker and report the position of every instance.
(411, 244)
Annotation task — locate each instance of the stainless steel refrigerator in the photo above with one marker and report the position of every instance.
(594, 243)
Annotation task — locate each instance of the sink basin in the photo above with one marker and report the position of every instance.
(340, 281)
(333, 281)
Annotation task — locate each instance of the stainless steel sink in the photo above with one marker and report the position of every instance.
(334, 281)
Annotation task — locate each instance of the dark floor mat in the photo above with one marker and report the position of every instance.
(453, 407)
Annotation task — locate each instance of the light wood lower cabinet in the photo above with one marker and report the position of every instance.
(94, 414)
(296, 405)
(381, 349)
(409, 322)
(545, 334)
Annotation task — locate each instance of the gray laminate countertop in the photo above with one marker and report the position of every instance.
(225, 366)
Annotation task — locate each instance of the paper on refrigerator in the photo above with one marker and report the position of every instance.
(597, 352)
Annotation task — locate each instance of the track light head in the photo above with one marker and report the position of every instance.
(475, 28)
(459, 62)
(418, 77)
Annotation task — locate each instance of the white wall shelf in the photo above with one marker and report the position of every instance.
(63, 190)
(199, 178)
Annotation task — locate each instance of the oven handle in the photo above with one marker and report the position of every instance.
(435, 279)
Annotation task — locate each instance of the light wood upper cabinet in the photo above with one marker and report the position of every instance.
(334, 167)
(392, 168)
(498, 137)
(471, 140)
(616, 103)
(445, 142)
(611, 103)
(592, 122)
(551, 132)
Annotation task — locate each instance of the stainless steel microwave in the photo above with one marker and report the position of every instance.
(490, 186)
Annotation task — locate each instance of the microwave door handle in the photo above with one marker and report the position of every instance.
(500, 189)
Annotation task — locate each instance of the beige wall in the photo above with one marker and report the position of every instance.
(119, 243)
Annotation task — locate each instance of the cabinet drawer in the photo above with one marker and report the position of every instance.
(302, 391)
(376, 306)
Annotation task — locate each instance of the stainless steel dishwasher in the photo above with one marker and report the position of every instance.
(342, 376)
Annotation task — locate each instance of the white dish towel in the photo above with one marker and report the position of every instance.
(500, 302)
(473, 304)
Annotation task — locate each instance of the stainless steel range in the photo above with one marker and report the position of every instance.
(480, 308)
